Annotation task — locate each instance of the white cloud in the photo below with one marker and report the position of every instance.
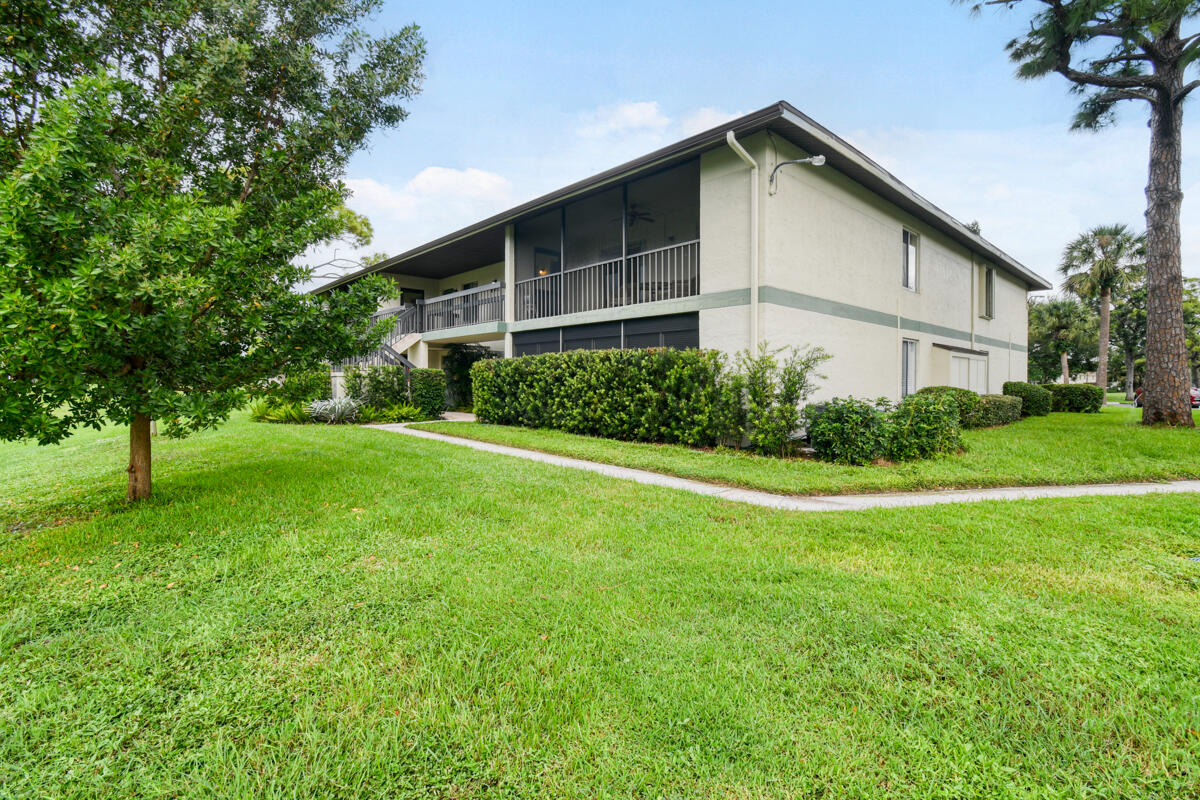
(460, 183)
(623, 119)
(704, 118)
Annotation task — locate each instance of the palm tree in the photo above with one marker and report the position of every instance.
(1095, 265)
(1060, 324)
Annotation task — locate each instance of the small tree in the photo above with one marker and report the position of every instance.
(1058, 327)
(164, 164)
(1095, 265)
(1112, 51)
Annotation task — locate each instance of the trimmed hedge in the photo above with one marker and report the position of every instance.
(966, 400)
(427, 391)
(1035, 401)
(852, 431)
(1078, 398)
(658, 395)
(846, 430)
(923, 426)
(993, 410)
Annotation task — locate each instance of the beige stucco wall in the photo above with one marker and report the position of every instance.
(831, 276)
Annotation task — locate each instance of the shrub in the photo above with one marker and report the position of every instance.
(657, 395)
(1035, 401)
(922, 426)
(773, 393)
(401, 412)
(380, 386)
(426, 391)
(303, 386)
(337, 411)
(274, 411)
(846, 430)
(966, 400)
(993, 410)
(1076, 397)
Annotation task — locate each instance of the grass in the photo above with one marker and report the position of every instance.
(324, 612)
(1058, 449)
(1115, 397)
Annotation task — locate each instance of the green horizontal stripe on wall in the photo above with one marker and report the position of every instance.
(832, 308)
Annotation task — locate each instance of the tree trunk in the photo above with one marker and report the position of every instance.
(139, 458)
(1066, 368)
(1130, 357)
(1105, 327)
(1165, 398)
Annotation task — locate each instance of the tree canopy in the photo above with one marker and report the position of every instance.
(164, 166)
(1114, 51)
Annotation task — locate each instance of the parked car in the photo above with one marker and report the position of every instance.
(1194, 392)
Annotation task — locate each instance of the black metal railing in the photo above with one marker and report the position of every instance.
(665, 273)
(468, 307)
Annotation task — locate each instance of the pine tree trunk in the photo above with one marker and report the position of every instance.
(1130, 395)
(1165, 395)
(1066, 368)
(139, 458)
(1105, 327)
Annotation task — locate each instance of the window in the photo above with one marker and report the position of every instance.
(470, 285)
(908, 367)
(987, 308)
(679, 331)
(908, 276)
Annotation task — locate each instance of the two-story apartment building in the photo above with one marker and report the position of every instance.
(717, 242)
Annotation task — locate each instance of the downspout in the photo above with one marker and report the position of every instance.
(755, 250)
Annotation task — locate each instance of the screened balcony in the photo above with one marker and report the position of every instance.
(638, 242)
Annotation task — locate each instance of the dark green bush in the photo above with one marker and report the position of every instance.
(427, 391)
(1076, 397)
(923, 426)
(993, 410)
(1035, 401)
(846, 430)
(303, 386)
(965, 399)
(658, 395)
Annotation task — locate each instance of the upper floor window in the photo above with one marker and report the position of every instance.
(987, 305)
(908, 277)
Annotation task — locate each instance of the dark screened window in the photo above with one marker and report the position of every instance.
(593, 232)
(532, 343)
(602, 336)
(680, 331)
(539, 245)
(664, 209)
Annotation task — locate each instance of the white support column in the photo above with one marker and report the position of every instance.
(510, 289)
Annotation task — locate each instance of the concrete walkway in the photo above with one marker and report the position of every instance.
(845, 502)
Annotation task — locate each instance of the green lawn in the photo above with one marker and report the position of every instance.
(1059, 449)
(1115, 397)
(321, 612)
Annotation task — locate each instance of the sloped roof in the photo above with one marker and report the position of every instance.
(478, 243)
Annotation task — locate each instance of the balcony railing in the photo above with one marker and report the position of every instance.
(468, 307)
(666, 273)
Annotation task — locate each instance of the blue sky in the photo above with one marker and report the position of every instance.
(522, 98)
